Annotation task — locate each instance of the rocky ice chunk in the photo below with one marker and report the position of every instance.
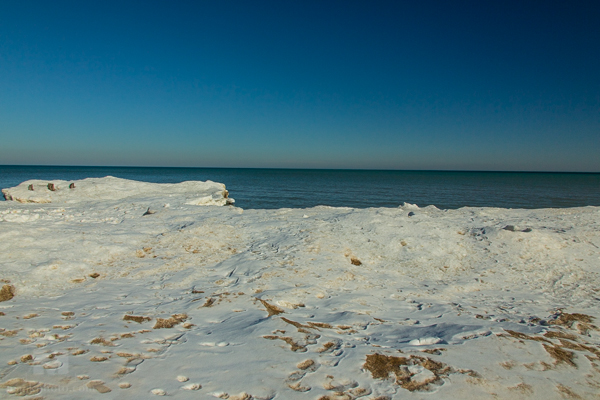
(111, 188)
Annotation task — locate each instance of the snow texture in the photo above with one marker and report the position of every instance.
(129, 290)
(111, 188)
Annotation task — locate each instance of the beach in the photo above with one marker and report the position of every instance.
(114, 288)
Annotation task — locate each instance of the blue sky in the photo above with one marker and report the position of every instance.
(468, 85)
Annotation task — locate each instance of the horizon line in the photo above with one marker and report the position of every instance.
(306, 168)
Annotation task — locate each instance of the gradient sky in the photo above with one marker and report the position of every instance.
(468, 85)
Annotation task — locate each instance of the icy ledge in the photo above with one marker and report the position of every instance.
(146, 296)
(111, 188)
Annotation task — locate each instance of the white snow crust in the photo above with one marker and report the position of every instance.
(291, 303)
(111, 188)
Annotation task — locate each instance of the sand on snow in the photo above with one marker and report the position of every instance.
(124, 289)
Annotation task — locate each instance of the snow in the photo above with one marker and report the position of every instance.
(111, 188)
(288, 303)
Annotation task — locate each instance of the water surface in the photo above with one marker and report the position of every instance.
(299, 188)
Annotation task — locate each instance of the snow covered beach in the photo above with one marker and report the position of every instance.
(123, 289)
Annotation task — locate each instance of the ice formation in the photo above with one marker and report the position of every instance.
(128, 290)
(111, 188)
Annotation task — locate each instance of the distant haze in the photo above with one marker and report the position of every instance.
(461, 85)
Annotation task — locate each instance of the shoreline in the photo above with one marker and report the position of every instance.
(309, 303)
(272, 189)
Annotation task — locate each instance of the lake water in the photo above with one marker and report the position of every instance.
(299, 188)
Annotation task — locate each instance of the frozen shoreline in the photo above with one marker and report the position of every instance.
(509, 295)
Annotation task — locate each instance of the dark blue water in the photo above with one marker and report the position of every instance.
(299, 188)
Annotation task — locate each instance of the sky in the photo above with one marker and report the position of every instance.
(440, 85)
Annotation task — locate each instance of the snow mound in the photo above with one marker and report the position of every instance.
(111, 188)
(146, 294)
